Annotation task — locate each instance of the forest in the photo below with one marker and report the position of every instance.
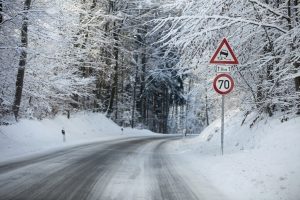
(145, 63)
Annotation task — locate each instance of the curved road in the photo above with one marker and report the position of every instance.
(138, 168)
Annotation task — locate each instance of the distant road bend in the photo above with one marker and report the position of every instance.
(139, 168)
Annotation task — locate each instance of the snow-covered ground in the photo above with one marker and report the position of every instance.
(31, 136)
(261, 163)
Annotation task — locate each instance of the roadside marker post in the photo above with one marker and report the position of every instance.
(223, 83)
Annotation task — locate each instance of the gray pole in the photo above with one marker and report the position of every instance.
(222, 125)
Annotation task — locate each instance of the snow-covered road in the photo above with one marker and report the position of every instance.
(133, 168)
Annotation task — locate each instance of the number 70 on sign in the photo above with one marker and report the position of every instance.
(223, 84)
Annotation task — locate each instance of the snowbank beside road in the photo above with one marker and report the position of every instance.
(32, 136)
(261, 163)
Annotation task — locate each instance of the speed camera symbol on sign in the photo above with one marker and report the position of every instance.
(223, 84)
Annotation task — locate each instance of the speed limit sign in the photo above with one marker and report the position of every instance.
(223, 84)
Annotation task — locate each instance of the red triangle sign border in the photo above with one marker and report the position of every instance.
(224, 62)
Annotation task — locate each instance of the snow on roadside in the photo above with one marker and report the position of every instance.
(261, 163)
(31, 136)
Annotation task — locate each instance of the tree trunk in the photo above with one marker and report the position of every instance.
(116, 73)
(122, 88)
(297, 87)
(94, 3)
(1, 10)
(142, 95)
(154, 108)
(297, 63)
(262, 94)
(206, 106)
(289, 14)
(22, 62)
(296, 2)
(297, 79)
(167, 100)
(134, 93)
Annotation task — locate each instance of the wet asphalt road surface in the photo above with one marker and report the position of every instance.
(138, 168)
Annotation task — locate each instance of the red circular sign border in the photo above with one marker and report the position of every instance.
(215, 84)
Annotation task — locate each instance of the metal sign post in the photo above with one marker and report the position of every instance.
(222, 125)
(223, 83)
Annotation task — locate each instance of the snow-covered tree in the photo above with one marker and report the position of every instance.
(265, 37)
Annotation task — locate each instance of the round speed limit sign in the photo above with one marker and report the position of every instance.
(223, 84)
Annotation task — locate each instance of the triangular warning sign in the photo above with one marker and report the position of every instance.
(224, 55)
